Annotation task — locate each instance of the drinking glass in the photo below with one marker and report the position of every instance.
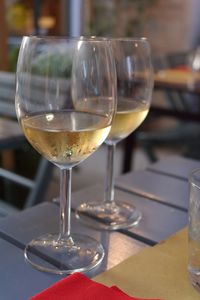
(55, 77)
(194, 229)
(134, 93)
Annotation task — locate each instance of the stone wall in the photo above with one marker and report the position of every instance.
(168, 26)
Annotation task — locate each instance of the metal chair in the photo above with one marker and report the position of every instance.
(12, 139)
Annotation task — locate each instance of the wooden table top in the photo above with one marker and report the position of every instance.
(160, 192)
(179, 80)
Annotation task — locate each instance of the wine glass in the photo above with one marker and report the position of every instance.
(134, 93)
(55, 76)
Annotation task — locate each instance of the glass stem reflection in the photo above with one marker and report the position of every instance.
(65, 203)
(109, 186)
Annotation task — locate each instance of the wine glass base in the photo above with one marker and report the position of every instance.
(78, 253)
(108, 216)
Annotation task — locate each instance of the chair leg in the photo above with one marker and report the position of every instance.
(129, 146)
(42, 179)
(150, 152)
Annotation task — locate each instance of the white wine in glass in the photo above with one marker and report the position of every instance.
(134, 93)
(65, 138)
(128, 117)
(53, 75)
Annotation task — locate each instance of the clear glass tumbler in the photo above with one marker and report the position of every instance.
(194, 229)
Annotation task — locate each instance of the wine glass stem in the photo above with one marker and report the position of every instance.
(65, 203)
(109, 186)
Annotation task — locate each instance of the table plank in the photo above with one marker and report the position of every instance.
(22, 227)
(158, 221)
(18, 280)
(176, 166)
(159, 187)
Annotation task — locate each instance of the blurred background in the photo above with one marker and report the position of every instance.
(172, 126)
(171, 26)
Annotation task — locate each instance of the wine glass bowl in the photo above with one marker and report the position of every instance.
(134, 93)
(58, 80)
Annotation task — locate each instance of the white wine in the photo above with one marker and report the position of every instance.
(65, 138)
(129, 115)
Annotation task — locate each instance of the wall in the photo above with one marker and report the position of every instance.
(168, 26)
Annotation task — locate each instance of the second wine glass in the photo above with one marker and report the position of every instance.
(134, 93)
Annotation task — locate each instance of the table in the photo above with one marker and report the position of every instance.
(175, 84)
(160, 192)
(156, 272)
(178, 80)
(181, 82)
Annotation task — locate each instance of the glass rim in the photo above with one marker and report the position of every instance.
(129, 39)
(88, 38)
(192, 179)
(67, 38)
